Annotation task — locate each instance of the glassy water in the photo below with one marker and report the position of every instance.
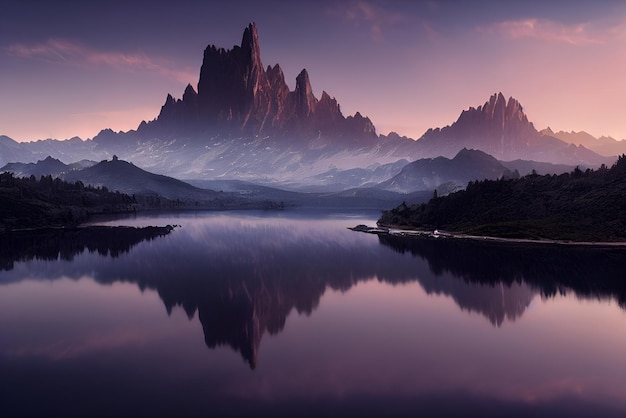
(292, 314)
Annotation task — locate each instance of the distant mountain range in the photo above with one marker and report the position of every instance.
(159, 191)
(388, 183)
(604, 145)
(242, 122)
(116, 175)
(127, 178)
(452, 174)
(46, 167)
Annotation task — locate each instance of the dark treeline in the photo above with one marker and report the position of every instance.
(580, 206)
(65, 243)
(47, 201)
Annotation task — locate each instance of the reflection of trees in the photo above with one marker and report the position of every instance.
(65, 243)
(588, 271)
(245, 283)
(496, 302)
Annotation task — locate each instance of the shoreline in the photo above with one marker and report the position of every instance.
(429, 234)
(85, 227)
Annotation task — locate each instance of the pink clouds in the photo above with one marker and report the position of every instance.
(68, 52)
(556, 32)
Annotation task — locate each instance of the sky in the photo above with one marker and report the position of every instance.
(71, 68)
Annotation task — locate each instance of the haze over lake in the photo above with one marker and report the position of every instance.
(282, 313)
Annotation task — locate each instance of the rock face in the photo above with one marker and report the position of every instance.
(501, 129)
(236, 95)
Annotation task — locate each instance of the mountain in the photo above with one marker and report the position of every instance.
(525, 167)
(237, 96)
(242, 122)
(501, 129)
(605, 145)
(11, 150)
(160, 191)
(549, 207)
(48, 166)
(455, 173)
(126, 178)
(73, 149)
(338, 180)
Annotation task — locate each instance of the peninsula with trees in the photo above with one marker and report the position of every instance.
(580, 206)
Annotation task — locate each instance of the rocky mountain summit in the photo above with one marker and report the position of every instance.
(500, 128)
(238, 96)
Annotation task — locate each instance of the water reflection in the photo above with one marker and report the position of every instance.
(66, 243)
(243, 276)
(588, 271)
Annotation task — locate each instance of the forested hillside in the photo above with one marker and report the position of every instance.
(31, 202)
(578, 206)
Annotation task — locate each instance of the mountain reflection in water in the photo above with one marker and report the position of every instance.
(589, 271)
(244, 278)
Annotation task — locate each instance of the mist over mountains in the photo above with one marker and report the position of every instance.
(243, 123)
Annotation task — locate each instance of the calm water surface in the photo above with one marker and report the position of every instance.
(292, 314)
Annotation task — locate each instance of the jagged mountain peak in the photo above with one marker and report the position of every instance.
(237, 96)
(497, 100)
(305, 100)
(275, 72)
(501, 128)
(189, 91)
(498, 109)
(250, 40)
(497, 115)
(302, 80)
(50, 159)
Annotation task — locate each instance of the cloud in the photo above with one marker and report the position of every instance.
(374, 16)
(72, 53)
(548, 31)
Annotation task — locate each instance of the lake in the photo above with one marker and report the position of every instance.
(289, 313)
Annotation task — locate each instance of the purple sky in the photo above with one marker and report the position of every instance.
(73, 68)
